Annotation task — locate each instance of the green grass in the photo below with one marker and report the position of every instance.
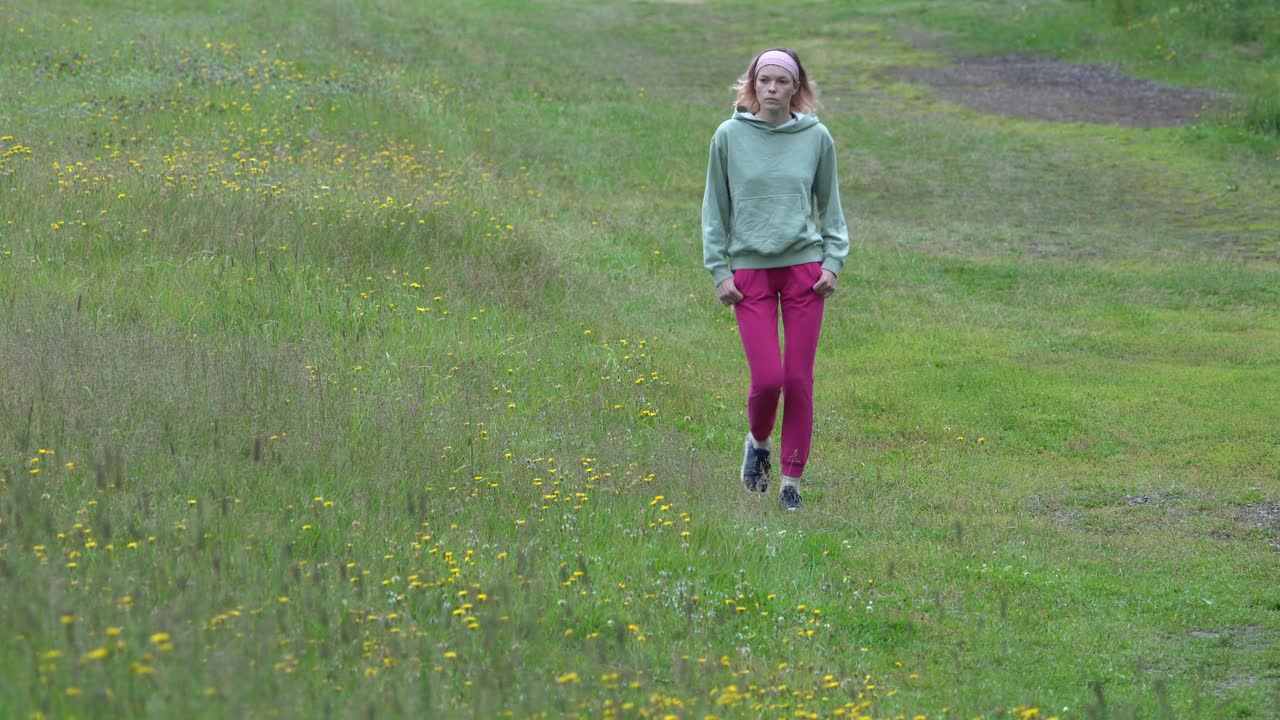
(359, 361)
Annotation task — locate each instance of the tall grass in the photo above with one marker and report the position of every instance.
(1227, 21)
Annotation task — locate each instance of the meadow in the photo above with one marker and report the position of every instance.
(357, 360)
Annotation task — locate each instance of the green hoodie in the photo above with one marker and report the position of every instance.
(763, 186)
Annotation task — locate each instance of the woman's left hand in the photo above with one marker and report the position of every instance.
(826, 285)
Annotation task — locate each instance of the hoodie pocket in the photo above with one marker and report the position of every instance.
(768, 224)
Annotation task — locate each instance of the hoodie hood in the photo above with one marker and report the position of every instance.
(803, 121)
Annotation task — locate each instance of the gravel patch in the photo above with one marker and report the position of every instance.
(1040, 88)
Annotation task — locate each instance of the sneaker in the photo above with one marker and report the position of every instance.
(789, 499)
(755, 468)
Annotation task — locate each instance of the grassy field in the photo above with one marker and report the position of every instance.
(356, 360)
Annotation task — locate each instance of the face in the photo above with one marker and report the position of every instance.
(774, 87)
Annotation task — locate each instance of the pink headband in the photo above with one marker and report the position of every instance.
(782, 60)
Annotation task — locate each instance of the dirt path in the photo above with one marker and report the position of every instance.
(1039, 88)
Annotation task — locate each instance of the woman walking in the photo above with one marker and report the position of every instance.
(774, 239)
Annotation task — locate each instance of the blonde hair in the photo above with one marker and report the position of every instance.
(804, 101)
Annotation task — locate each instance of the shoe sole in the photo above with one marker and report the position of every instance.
(782, 503)
(760, 485)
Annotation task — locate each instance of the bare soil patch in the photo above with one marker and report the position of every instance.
(1260, 515)
(1125, 513)
(1264, 516)
(1041, 88)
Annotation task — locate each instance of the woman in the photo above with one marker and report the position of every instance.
(774, 237)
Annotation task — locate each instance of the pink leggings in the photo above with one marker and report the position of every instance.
(773, 371)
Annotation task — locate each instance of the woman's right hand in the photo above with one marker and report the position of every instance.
(729, 294)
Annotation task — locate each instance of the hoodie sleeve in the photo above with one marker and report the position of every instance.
(826, 193)
(715, 213)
